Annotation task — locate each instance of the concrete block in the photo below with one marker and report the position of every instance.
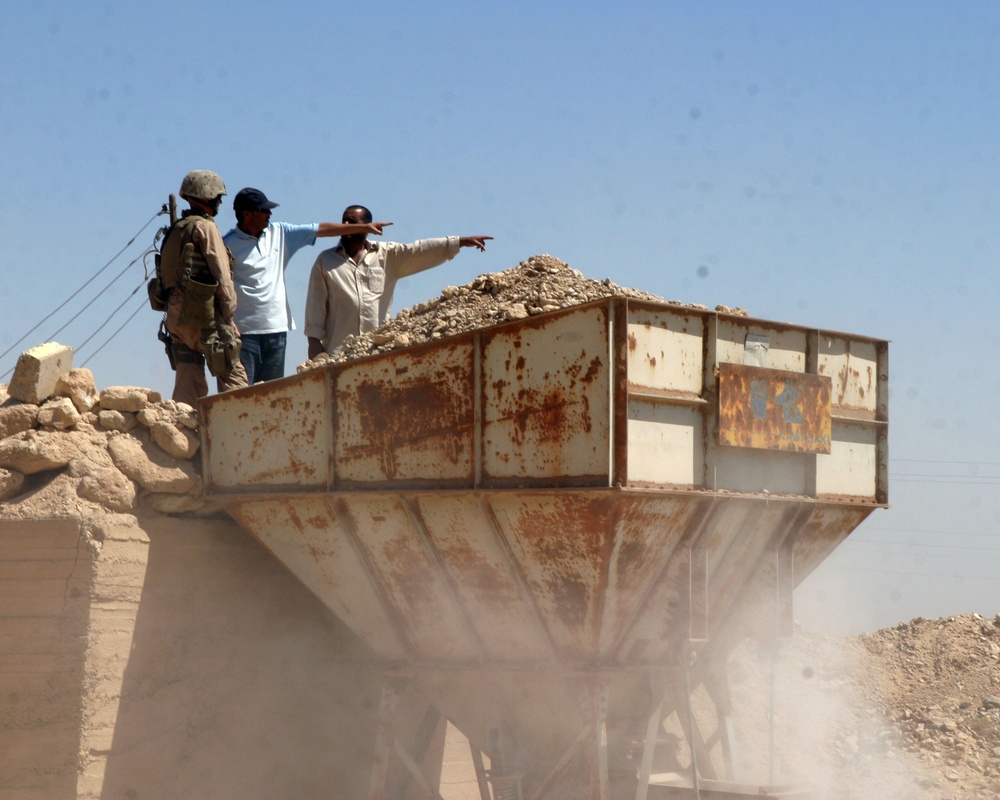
(38, 372)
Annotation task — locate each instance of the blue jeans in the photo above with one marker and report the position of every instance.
(263, 356)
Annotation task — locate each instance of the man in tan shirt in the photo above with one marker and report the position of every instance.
(351, 285)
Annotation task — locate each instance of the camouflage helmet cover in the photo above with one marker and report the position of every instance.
(202, 184)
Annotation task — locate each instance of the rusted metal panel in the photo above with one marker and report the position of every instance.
(561, 543)
(306, 534)
(408, 418)
(486, 581)
(773, 409)
(271, 434)
(647, 532)
(826, 527)
(404, 569)
(545, 394)
(743, 567)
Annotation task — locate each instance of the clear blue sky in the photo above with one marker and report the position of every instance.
(832, 164)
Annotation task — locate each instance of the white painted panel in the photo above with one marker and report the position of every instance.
(752, 470)
(665, 443)
(852, 365)
(786, 347)
(852, 465)
(665, 349)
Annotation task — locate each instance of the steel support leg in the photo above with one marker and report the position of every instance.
(477, 762)
(428, 727)
(393, 686)
(657, 689)
(599, 712)
(717, 685)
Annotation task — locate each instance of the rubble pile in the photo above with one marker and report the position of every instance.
(937, 683)
(536, 286)
(117, 449)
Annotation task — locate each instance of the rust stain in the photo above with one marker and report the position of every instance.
(425, 412)
(593, 370)
(281, 403)
(633, 343)
(552, 417)
(567, 542)
(774, 410)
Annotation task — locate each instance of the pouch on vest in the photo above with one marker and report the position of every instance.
(198, 305)
(157, 292)
(157, 295)
(221, 348)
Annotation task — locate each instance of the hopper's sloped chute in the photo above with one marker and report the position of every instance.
(554, 528)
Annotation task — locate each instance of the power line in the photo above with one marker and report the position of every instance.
(952, 480)
(925, 530)
(94, 299)
(100, 327)
(936, 461)
(132, 316)
(91, 279)
(915, 574)
(935, 546)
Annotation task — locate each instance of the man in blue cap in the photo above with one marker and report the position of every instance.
(261, 250)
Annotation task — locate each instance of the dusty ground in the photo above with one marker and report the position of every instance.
(906, 712)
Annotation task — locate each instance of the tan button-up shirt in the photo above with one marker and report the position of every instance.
(347, 297)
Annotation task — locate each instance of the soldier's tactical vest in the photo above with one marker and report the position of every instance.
(180, 258)
(182, 267)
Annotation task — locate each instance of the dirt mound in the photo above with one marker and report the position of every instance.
(906, 712)
(540, 284)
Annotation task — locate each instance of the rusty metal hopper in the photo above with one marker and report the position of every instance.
(539, 523)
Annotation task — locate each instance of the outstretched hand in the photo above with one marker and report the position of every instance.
(479, 242)
(376, 227)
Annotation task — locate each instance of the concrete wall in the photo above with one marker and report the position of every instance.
(175, 658)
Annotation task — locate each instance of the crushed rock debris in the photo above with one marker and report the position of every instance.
(538, 285)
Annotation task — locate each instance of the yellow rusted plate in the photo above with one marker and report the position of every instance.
(772, 409)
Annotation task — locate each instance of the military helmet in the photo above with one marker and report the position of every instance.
(202, 184)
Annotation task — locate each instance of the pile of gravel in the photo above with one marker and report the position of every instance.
(536, 286)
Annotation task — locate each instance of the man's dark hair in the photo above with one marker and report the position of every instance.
(362, 215)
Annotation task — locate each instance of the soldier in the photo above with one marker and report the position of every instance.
(196, 270)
